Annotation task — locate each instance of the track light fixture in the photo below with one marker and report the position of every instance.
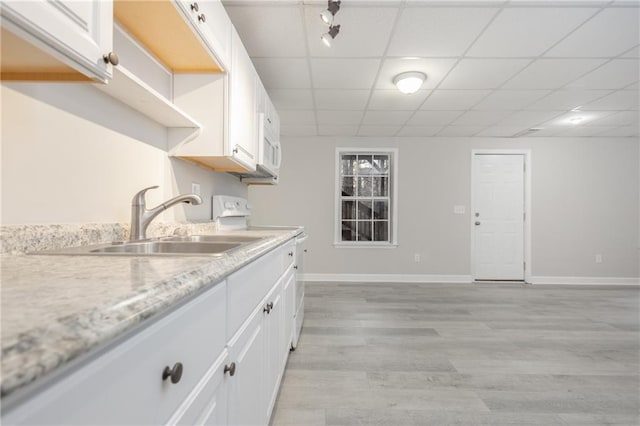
(330, 35)
(328, 14)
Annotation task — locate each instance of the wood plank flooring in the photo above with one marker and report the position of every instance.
(483, 354)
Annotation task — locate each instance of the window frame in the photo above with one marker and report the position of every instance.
(393, 199)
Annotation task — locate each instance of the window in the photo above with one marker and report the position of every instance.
(365, 197)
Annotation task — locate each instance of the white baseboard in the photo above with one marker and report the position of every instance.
(390, 278)
(584, 281)
(464, 279)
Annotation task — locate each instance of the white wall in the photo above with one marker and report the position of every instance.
(72, 154)
(584, 201)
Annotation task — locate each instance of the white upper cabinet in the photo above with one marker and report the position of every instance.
(56, 40)
(242, 105)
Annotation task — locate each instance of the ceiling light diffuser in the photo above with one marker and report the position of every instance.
(409, 82)
(327, 15)
(330, 35)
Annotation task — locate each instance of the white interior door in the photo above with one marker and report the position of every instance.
(498, 217)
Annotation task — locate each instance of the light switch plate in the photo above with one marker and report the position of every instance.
(195, 188)
(459, 209)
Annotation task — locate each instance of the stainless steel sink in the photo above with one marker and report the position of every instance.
(195, 245)
(168, 247)
(214, 238)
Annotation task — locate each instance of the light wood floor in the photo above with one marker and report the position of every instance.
(414, 354)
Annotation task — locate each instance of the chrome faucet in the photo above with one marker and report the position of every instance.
(141, 217)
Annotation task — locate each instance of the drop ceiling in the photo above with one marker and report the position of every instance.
(494, 68)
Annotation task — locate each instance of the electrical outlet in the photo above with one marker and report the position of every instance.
(598, 258)
(416, 257)
(195, 188)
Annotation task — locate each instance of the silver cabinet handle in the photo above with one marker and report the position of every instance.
(111, 58)
(477, 223)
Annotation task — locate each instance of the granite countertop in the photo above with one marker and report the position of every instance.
(58, 308)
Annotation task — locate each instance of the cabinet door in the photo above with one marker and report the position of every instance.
(274, 346)
(78, 33)
(242, 140)
(289, 307)
(246, 386)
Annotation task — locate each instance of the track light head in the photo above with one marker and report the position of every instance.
(330, 35)
(332, 8)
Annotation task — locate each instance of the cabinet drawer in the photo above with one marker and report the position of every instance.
(125, 385)
(248, 286)
(288, 256)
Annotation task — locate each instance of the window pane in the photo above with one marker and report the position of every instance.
(348, 209)
(381, 209)
(365, 164)
(380, 231)
(381, 164)
(364, 209)
(365, 186)
(348, 164)
(348, 187)
(348, 230)
(380, 186)
(364, 230)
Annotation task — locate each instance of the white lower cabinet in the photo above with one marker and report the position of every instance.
(217, 360)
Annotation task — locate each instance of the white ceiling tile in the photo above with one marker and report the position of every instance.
(396, 100)
(460, 130)
(624, 131)
(341, 99)
(298, 130)
(561, 2)
(584, 131)
(435, 69)
(510, 99)
(364, 31)
(419, 131)
(283, 73)
(480, 118)
(256, 22)
(501, 131)
(544, 132)
(373, 130)
(337, 130)
(386, 118)
(339, 117)
(612, 75)
(296, 117)
(564, 121)
(567, 99)
(552, 73)
(291, 98)
(454, 99)
(622, 118)
(482, 73)
(527, 119)
(433, 118)
(526, 32)
(620, 100)
(344, 73)
(423, 31)
(609, 33)
(635, 86)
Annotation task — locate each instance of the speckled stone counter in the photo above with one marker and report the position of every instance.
(58, 308)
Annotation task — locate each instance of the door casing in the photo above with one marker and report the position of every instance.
(527, 206)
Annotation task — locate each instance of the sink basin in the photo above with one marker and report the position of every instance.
(169, 247)
(214, 239)
(197, 245)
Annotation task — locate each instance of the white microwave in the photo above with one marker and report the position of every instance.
(269, 151)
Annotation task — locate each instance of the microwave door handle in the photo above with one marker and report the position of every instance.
(278, 155)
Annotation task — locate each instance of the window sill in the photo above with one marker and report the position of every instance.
(366, 245)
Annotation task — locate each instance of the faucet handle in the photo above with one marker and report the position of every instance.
(138, 199)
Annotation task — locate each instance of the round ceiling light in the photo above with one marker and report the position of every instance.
(409, 82)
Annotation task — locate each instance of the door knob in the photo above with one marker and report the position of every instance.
(231, 369)
(174, 373)
(477, 223)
